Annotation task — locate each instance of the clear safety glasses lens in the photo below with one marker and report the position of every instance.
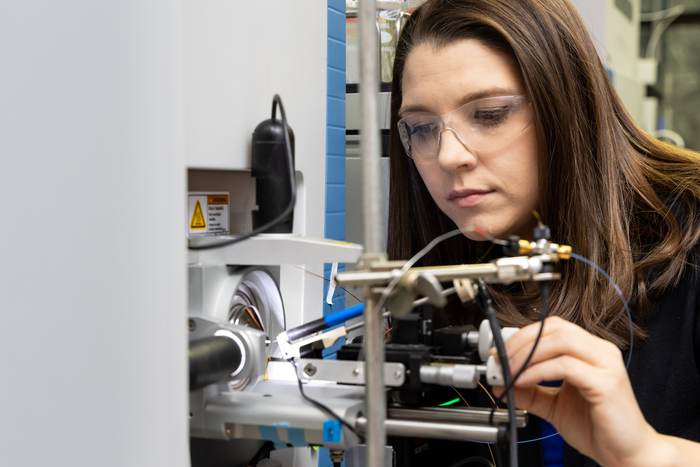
(482, 125)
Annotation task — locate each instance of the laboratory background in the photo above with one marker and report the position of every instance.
(138, 136)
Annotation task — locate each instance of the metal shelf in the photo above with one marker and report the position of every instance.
(275, 249)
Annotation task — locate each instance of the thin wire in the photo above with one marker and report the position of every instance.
(544, 287)
(486, 306)
(323, 407)
(328, 280)
(389, 288)
(489, 237)
(537, 216)
(488, 394)
(467, 403)
(619, 292)
(629, 317)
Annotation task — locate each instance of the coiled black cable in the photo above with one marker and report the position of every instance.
(292, 183)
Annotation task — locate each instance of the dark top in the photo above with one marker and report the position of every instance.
(665, 376)
(665, 369)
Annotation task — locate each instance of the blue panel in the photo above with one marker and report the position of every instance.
(335, 170)
(335, 226)
(328, 267)
(296, 437)
(335, 109)
(269, 433)
(338, 5)
(336, 84)
(336, 25)
(336, 55)
(335, 163)
(336, 144)
(335, 198)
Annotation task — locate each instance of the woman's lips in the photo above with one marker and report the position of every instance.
(467, 198)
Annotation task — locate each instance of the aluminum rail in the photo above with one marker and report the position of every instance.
(461, 415)
(444, 273)
(416, 429)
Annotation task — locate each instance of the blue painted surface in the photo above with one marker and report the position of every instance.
(296, 437)
(334, 222)
(552, 446)
(269, 433)
(340, 317)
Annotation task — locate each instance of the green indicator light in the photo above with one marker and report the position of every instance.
(453, 401)
(315, 448)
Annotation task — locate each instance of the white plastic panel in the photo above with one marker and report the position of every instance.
(93, 259)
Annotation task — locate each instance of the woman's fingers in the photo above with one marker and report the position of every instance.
(559, 337)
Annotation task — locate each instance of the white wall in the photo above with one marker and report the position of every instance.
(92, 253)
(617, 39)
(238, 55)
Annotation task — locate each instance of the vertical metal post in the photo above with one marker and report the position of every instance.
(369, 130)
(375, 396)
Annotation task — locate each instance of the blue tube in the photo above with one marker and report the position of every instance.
(342, 316)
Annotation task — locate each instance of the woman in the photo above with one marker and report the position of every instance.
(502, 107)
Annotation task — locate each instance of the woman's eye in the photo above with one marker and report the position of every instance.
(491, 116)
(424, 130)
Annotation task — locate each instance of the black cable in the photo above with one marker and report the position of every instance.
(487, 308)
(265, 449)
(292, 183)
(544, 291)
(323, 408)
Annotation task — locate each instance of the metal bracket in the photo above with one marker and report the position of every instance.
(347, 371)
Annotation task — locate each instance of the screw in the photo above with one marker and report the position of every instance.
(397, 375)
(191, 325)
(310, 369)
(356, 372)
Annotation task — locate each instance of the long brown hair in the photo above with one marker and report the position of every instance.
(616, 195)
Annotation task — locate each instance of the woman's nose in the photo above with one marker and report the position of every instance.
(453, 152)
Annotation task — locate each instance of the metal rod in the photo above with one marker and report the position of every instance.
(369, 130)
(488, 271)
(410, 428)
(461, 415)
(375, 394)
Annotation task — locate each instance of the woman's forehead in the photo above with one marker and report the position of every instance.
(439, 78)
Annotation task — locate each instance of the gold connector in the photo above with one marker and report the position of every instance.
(564, 251)
(525, 247)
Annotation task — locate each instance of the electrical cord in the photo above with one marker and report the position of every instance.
(292, 183)
(486, 306)
(544, 291)
(265, 450)
(324, 408)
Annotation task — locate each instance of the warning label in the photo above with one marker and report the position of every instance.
(208, 214)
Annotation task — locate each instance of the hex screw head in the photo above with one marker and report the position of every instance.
(356, 372)
(397, 375)
(310, 369)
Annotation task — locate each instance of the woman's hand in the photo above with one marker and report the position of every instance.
(594, 410)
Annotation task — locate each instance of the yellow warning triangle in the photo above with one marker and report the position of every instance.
(198, 218)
